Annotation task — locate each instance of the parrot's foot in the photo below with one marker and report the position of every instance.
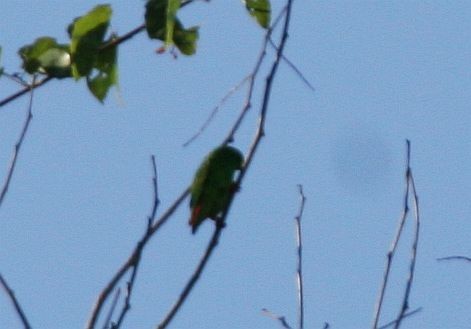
(220, 224)
(234, 188)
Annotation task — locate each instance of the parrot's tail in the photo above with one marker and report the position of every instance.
(194, 222)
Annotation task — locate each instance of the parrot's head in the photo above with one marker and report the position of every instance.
(233, 158)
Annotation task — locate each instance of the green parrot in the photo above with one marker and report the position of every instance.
(213, 185)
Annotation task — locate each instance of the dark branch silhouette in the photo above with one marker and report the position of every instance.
(295, 69)
(299, 272)
(405, 315)
(108, 323)
(216, 109)
(409, 185)
(18, 145)
(131, 264)
(468, 259)
(10, 293)
(410, 278)
(279, 318)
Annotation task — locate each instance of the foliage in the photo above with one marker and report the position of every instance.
(260, 10)
(46, 56)
(92, 53)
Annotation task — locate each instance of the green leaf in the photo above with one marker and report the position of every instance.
(185, 39)
(87, 33)
(171, 18)
(160, 19)
(163, 24)
(45, 55)
(102, 82)
(106, 74)
(260, 10)
(99, 66)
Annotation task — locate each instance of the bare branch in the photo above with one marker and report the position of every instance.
(106, 325)
(18, 144)
(410, 279)
(253, 75)
(408, 314)
(299, 274)
(11, 294)
(25, 90)
(133, 260)
(294, 68)
(279, 318)
(409, 183)
(156, 193)
(455, 258)
(216, 109)
(15, 77)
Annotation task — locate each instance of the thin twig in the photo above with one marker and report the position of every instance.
(216, 110)
(455, 258)
(116, 41)
(408, 314)
(156, 193)
(253, 75)
(299, 274)
(16, 78)
(107, 323)
(409, 185)
(410, 279)
(25, 90)
(11, 294)
(295, 69)
(18, 144)
(134, 259)
(394, 244)
(279, 318)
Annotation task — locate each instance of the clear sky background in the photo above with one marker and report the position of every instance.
(383, 72)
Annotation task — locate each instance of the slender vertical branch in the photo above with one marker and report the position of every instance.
(18, 144)
(11, 294)
(133, 260)
(392, 249)
(108, 323)
(410, 186)
(156, 193)
(410, 279)
(299, 274)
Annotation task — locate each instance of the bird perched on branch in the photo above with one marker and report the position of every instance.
(213, 185)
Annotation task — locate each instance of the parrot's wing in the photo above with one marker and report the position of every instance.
(199, 183)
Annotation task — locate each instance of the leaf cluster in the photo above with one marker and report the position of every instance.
(92, 53)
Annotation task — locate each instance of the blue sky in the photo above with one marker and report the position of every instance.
(383, 72)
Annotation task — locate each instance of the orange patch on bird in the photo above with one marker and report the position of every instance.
(195, 215)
